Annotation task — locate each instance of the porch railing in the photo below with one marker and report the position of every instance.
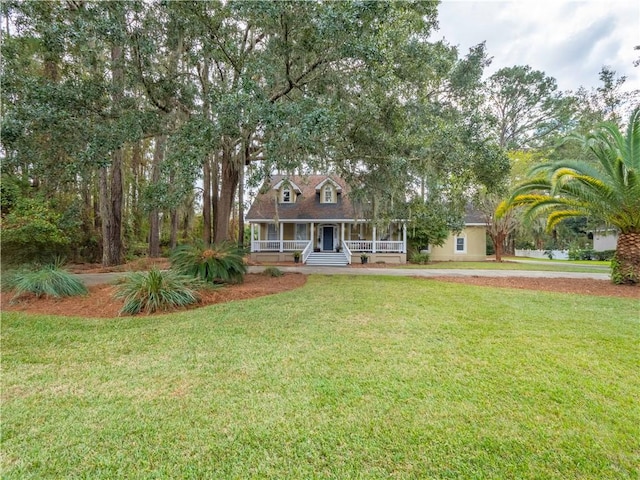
(378, 246)
(279, 245)
(370, 246)
(347, 251)
(306, 252)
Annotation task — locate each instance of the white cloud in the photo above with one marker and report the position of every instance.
(568, 40)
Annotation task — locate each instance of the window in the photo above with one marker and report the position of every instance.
(301, 231)
(286, 195)
(460, 244)
(272, 231)
(328, 194)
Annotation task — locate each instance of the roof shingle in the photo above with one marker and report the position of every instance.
(307, 205)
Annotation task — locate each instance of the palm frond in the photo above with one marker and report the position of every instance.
(557, 216)
(608, 190)
(222, 263)
(633, 140)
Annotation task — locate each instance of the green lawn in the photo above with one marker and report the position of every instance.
(593, 263)
(348, 377)
(507, 265)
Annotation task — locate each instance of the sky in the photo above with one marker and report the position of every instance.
(568, 40)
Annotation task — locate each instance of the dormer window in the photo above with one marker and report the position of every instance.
(286, 194)
(328, 191)
(328, 194)
(287, 191)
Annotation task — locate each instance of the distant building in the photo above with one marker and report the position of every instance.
(605, 239)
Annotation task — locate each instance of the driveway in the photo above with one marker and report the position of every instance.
(91, 279)
(440, 272)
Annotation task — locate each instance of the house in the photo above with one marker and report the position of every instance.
(314, 215)
(470, 245)
(605, 239)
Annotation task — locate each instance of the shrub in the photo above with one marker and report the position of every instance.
(419, 258)
(51, 280)
(605, 255)
(222, 263)
(272, 272)
(31, 232)
(156, 290)
(582, 254)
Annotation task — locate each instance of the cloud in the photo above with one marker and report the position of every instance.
(583, 44)
(568, 40)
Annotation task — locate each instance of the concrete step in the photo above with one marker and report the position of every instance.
(327, 259)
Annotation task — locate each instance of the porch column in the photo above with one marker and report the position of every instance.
(373, 242)
(342, 234)
(312, 238)
(404, 237)
(281, 237)
(252, 239)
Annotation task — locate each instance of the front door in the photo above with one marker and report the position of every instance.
(327, 238)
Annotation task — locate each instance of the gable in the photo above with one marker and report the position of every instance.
(284, 182)
(329, 181)
(307, 206)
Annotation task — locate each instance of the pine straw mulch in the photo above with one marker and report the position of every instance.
(570, 286)
(99, 303)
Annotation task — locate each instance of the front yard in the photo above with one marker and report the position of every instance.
(538, 265)
(347, 377)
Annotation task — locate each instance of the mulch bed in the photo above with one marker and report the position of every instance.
(101, 304)
(571, 286)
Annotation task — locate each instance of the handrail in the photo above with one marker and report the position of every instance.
(306, 252)
(347, 251)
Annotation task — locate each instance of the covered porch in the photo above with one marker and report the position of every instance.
(271, 241)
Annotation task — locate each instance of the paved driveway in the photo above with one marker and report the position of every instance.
(439, 272)
(90, 279)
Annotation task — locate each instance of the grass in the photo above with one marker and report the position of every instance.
(156, 290)
(51, 280)
(348, 377)
(507, 265)
(602, 263)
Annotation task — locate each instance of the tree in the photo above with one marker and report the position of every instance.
(524, 107)
(422, 141)
(607, 190)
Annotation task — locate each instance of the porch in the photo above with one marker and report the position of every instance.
(388, 245)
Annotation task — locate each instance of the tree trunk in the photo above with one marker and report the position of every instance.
(228, 184)
(627, 259)
(187, 219)
(154, 216)
(206, 201)
(509, 244)
(215, 193)
(111, 182)
(498, 241)
(87, 208)
(173, 237)
(245, 156)
(97, 201)
(111, 211)
(117, 248)
(136, 169)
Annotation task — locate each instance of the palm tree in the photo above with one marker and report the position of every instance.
(607, 189)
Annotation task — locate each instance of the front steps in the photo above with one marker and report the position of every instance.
(327, 259)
